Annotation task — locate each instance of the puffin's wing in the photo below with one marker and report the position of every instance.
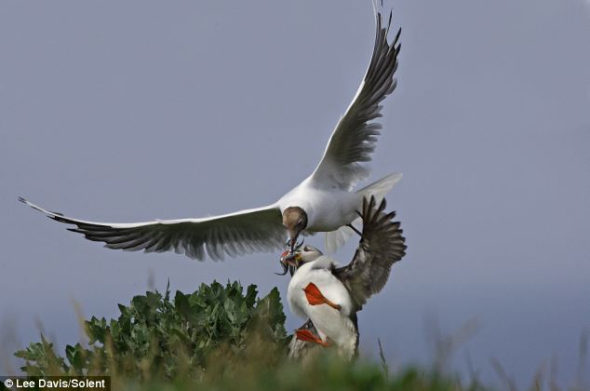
(244, 232)
(382, 245)
(354, 138)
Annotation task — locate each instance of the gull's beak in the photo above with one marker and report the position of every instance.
(293, 243)
(293, 240)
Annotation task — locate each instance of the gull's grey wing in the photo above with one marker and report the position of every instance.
(355, 136)
(244, 232)
(381, 245)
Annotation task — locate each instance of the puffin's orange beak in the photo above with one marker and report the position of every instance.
(289, 258)
(284, 255)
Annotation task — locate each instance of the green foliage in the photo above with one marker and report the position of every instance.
(217, 338)
(44, 357)
(158, 336)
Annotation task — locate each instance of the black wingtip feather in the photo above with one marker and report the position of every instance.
(397, 36)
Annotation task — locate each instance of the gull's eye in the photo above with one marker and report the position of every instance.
(307, 248)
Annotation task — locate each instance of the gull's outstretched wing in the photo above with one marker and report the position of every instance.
(382, 245)
(354, 138)
(244, 232)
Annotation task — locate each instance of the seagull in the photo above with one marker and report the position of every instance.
(330, 296)
(324, 202)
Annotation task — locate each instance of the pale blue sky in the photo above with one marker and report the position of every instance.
(129, 111)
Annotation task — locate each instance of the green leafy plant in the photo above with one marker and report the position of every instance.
(216, 338)
(159, 336)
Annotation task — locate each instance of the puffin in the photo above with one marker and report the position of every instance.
(323, 202)
(330, 296)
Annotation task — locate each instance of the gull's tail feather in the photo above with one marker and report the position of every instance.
(335, 239)
(381, 187)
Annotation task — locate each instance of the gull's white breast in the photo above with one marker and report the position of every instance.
(327, 209)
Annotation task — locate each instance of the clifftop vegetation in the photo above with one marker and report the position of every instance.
(216, 338)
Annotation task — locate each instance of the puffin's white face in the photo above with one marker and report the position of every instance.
(308, 253)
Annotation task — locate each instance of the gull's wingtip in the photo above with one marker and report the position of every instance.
(29, 203)
(376, 8)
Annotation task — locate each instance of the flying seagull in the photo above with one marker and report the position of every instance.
(324, 202)
(330, 296)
